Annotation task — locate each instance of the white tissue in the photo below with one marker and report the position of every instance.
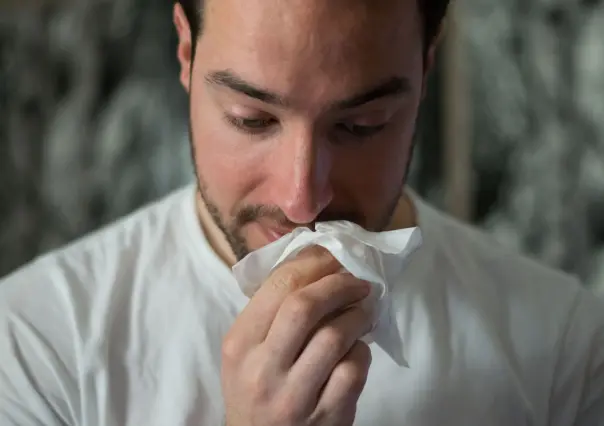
(377, 257)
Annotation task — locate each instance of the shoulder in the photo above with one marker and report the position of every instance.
(502, 280)
(82, 267)
(527, 301)
(546, 318)
(58, 311)
(120, 242)
(74, 274)
(56, 297)
(472, 253)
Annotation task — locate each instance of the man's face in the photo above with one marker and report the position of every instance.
(303, 111)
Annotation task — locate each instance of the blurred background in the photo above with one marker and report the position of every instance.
(93, 123)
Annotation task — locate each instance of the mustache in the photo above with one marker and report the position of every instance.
(252, 213)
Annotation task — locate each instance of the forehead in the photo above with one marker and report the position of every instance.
(315, 47)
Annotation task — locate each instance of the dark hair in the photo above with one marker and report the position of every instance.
(433, 13)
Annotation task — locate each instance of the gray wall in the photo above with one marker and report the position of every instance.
(538, 91)
(92, 119)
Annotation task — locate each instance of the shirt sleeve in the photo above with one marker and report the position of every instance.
(578, 391)
(36, 369)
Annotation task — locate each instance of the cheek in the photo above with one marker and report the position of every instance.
(227, 171)
(373, 172)
(375, 176)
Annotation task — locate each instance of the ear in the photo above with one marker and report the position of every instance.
(431, 56)
(184, 50)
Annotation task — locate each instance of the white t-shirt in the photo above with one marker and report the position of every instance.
(124, 327)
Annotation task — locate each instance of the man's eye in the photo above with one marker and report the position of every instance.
(251, 125)
(361, 131)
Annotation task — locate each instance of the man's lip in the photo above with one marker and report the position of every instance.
(274, 234)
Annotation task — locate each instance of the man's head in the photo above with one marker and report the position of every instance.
(303, 110)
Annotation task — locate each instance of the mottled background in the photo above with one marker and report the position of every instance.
(93, 123)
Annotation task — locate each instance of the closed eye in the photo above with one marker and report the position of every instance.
(251, 125)
(361, 131)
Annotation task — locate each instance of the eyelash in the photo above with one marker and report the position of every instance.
(255, 126)
(250, 126)
(362, 131)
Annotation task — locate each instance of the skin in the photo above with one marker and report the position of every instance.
(301, 111)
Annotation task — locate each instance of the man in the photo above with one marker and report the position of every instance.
(301, 111)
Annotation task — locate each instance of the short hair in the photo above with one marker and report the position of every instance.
(433, 13)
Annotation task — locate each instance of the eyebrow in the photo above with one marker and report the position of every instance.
(394, 86)
(231, 81)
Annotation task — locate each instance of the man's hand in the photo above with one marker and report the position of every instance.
(293, 356)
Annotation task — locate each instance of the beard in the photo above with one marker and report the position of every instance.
(232, 225)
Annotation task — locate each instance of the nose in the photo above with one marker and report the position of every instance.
(302, 187)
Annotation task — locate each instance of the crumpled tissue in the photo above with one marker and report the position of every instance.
(376, 257)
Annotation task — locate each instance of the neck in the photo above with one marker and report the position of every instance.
(405, 215)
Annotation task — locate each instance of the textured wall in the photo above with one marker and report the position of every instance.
(538, 92)
(92, 120)
(92, 123)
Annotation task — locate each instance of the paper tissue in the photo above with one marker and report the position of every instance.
(377, 257)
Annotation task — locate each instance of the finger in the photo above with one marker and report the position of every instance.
(301, 312)
(327, 348)
(343, 389)
(312, 264)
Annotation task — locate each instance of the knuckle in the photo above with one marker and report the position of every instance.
(350, 375)
(320, 254)
(287, 410)
(232, 349)
(300, 306)
(352, 372)
(364, 353)
(314, 251)
(362, 316)
(287, 278)
(332, 262)
(257, 386)
(332, 338)
(329, 259)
